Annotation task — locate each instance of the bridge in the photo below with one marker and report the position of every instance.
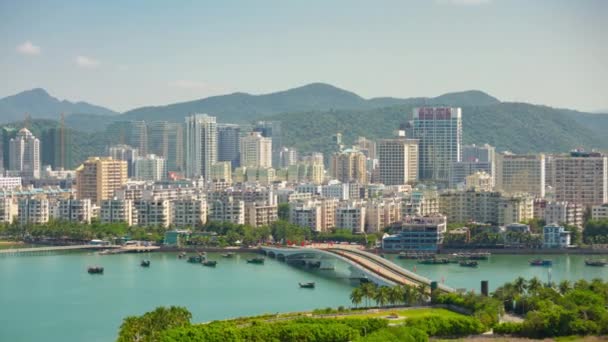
(363, 264)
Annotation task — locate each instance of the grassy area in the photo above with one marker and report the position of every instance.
(403, 314)
(11, 244)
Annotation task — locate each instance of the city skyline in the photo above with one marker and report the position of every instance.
(547, 52)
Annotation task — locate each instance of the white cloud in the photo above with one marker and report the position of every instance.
(464, 2)
(87, 62)
(188, 84)
(27, 48)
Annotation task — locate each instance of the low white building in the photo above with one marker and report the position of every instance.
(73, 210)
(227, 209)
(153, 212)
(188, 212)
(33, 211)
(10, 182)
(599, 212)
(117, 210)
(351, 215)
(555, 236)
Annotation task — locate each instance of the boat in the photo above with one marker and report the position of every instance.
(469, 263)
(95, 270)
(597, 262)
(479, 256)
(197, 259)
(541, 262)
(255, 261)
(145, 263)
(228, 255)
(209, 263)
(434, 261)
(327, 268)
(181, 255)
(309, 285)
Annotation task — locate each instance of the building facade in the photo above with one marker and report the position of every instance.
(201, 145)
(97, 178)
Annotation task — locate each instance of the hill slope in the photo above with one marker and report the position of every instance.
(39, 104)
(518, 127)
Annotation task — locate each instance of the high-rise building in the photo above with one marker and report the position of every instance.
(56, 144)
(521, 173)
(398, 160)
(97, 178)
(24, 155)
(348, 166)
(288, 156)
(229, 143)
(271, 129)
(221, 172)
(201, 145)
(582, 178)
(150, 167)
(175, 147)
(474, 159)
(439, 134)
(256, 150)
(125, 153)
(367, 147)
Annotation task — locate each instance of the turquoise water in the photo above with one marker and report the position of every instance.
(53, 298)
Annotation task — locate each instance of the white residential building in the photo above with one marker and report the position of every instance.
(74, 210)
(256, 151)
(188, 212)
(201, 145)
(34, 211)
(150, 168)
(116, 211)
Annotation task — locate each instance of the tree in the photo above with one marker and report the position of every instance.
(356, 296)
(382, 295)
(149, 326)
(534, 285)
(369, 291)
(520, 285)
(564, 286)
(396, 295)
(283, 211)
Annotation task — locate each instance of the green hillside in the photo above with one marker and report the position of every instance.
(518, 127)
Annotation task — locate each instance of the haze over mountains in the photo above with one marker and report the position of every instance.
(312, 113)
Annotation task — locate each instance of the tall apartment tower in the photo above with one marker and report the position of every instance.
(24, 154)
(256, 150)
(581, 178)
(398, 160)
(201, 145)
(97, 178)
(150, 167)
(229, 143)
(474, 159)
(125, 153)
(521, 173)
(56, 148)
(439, 134)
(165, 139)
(348, 166)
(272, 129)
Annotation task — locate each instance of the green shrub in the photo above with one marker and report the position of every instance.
(396, 334)
(446, 326)
(508, 328)
(213, 332)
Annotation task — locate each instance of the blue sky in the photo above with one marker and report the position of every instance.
(124, 54)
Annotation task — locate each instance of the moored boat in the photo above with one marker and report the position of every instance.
(210, 263)
(95, 270)
(257, 260)
(181, 255)
(308, 285)
(596, 262)
(145, 263)
(228, 255)
(434, 261)
(541, 262)
(196, 259)
(469, 263)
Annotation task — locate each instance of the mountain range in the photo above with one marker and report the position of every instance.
(40, 105)
(312, 113)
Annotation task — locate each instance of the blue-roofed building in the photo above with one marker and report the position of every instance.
(416, 233)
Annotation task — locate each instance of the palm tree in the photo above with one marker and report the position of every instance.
(356, 296)
(534, 285)
(381, 296)
(396, 294)
(564, 286)
(422, 293)
(520, 285)
(368, 290)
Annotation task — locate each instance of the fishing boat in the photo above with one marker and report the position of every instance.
(309, 285)
(596, 262)
(255, 261)
(327, 268)
(181, 255)
(228, 255)
(196, 259)
(479, 256)
(145, 263)
(434, 261)
(541, 262)
(469, 263)
(210, 263)
(95, 270)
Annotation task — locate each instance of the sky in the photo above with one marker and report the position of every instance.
(126, 54)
